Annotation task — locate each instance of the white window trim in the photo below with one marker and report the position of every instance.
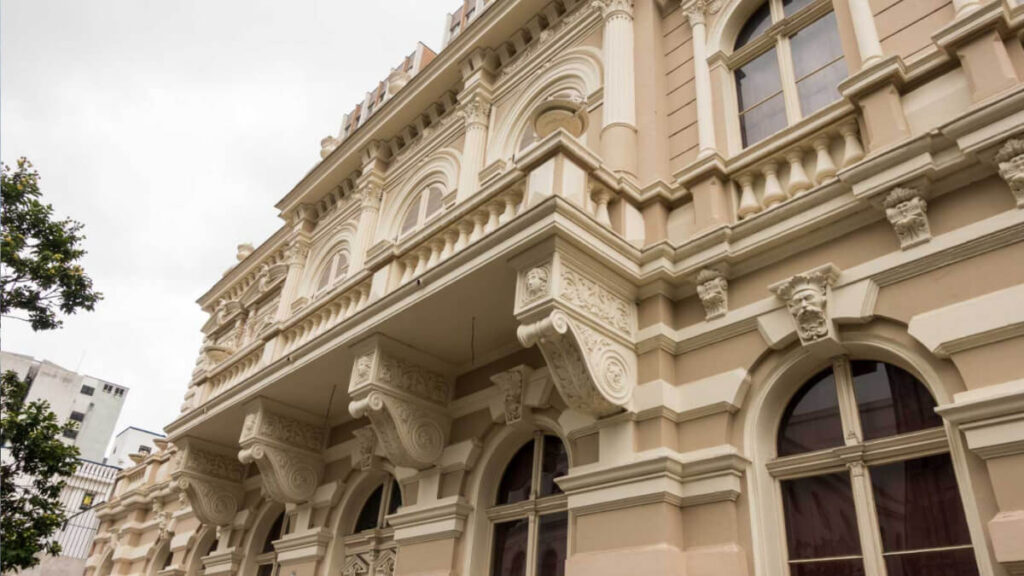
(332, 265)
(532, 509)
(420, 205)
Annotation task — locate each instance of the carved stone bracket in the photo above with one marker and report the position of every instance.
(583, 319)
(287, 446)
(806, 296)
(1010, 159)
(713, 291)
(906, 210)
(405, 401)
(210, 476)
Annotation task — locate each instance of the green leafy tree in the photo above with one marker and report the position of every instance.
(40, 277)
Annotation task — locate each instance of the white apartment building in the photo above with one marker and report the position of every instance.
(131, 441)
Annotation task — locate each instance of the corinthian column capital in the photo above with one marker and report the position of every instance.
(612, 8)
(476, 111)
(698, 10)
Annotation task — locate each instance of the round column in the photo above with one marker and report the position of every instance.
(618, 132)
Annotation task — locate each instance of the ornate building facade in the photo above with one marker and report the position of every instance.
(702, 288)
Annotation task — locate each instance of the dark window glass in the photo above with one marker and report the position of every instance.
(515, 482)
(554, 463)
(758, 22)
(396, 498)
(412, 216)
(77, 416)
(944, 563)
(213, 546)
(852, 567)
(890, 400)
(919, 504)
(434, 201)
(144, 450)
(761, 103)
(818, 64)
(265, 570)
(88, 390)
(167, 559)
(325, 277)
(70, 433)
(812, 421)
(820, 518)
(273, 534)
(790, 7)
(509, 555)
(370, 513)
(551, 544)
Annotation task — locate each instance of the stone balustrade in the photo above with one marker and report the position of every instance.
(325, 316)
(232, 373)
(797, 169)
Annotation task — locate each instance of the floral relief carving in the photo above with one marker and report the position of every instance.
(713, 291)
(413, 379)
(806, 296)
(366, 446)
(513, 387)
(286, 449)
(1010, 159)
(211, 480)
(476, 111)
(614, 8)
(593, 374)
(905, 208)
(596, 300)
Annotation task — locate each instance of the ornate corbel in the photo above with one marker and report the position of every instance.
(287, 446)
(584, 322)
(406, 402)
(713, 291)
(806, 296)
(905, 208)
(210, 476)
(1010, 159)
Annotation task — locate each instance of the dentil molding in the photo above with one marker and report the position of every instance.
(287, 446)
(406, 402)
(210, 476)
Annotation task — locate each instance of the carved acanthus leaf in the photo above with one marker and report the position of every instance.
(906, 210)
(591, 297)
(512, 383)
(1010, 159)
(211, 479)
(286, 448)
(713, 291)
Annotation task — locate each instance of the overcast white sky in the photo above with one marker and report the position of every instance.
(170, 128)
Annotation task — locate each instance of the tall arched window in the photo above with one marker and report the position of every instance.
(371, 547)
(428, 203)
(333, 270)
(788, 63)
(866, 480)
(266, 561)
(529, 518)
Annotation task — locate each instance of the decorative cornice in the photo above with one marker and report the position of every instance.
(286, 446)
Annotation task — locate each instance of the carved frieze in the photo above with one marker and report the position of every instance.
(405, 402)
(512, 383)
(1010, 159)
(210, 476)
(806, 296)
(366, 446)
(906, 210)
(287, 446)
(713, 291)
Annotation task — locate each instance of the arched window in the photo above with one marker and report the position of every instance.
(370, 549)
(428, 203)
(862, 454)
(529, 516)
(788, 65)
(383, 501)
(334, 269)
(266, 561)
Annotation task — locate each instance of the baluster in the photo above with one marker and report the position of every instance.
(451, 236)
(364, 295)
(824, 167)
(853, 152)
(408, 267)
(421, 263)
(494, 209)
(435, 248)
(748, 200)
(465, 229)
(773, 193)
(510, 207)
(479, 218)
(601, 198)
(798, 181)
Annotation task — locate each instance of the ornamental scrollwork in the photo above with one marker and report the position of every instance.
(905, 208)
(210, 478)
(596, 300)
(512, 384)
(713, 291)
(287, 449)
(1010, 159)
(806, 296)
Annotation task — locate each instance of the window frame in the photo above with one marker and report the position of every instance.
(332, 265)
(777, 37)
(270, 558)
(379, 541)
(531, 509)
(420, 207)
(855, 457)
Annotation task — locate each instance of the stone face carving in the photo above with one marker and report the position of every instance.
(286, 448)
(366, 445)
(1011, 167)
(806, 296)
(211, 478)
(406, 403)
(513, 386)
(713, 291)
(536, 284)
(905, 208)
(592, 373)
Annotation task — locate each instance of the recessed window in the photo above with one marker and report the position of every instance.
(530, 517)
(77, 416)
(108, 388)
(785, 73)
(88, 390)
(334, 270)
(266, 561)
(70, 433)
(144, 450)
(382, 502)
(427, 204)
(858, 416)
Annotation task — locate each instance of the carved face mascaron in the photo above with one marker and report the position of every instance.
(807, 306)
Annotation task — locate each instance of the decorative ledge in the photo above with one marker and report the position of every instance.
(972, 323)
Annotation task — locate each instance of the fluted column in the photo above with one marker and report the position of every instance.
(298, 250)
(369, 197)
(618, 132)
(866, 33)
(476, 112)
(697, 13)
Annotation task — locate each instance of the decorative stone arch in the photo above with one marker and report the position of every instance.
(157, 556)
(253, 539)
(442, 168)
(106, 565)
(731, 17)
(500, 445)
(578, 70)
(778, 374)
(194, 560)
(343, 238)
(343, 518)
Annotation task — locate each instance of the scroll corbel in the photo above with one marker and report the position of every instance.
(210, 476)
(287, 446)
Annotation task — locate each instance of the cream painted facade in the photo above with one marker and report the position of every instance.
(573, 228)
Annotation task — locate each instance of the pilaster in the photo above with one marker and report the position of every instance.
(696, 13)
(475, 109)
